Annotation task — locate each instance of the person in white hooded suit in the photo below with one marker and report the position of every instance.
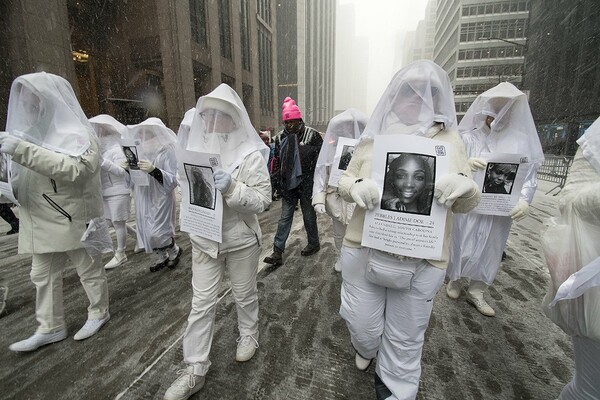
(498, 121)
(155, 203)
(221, 125)
(56, 179)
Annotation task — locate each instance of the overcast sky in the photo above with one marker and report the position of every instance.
(382, 22)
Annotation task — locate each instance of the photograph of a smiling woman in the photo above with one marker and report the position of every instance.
(408, 184)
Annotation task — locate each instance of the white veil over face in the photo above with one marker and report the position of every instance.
(590, 144)
(512, 130)
(109, 131)
(418, 96)
(44, 110)
(349, 124)
(221, 125)
(152, 136)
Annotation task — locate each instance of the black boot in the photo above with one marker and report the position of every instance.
(173, 263)
(310, 249)
(9, 216)
(159, 266)
(381, 390)
(276, 258)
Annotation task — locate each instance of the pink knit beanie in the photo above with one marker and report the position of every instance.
(290, 110)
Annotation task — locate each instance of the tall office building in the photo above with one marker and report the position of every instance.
(419, 44)
(480, 43)
(306, 57)
(138, 59)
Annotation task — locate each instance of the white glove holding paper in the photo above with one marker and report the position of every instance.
(476, 163)
(365, 193)
(450, 187)
(520, 211)
(222, 180)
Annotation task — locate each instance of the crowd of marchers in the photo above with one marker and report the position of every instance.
(73, 178)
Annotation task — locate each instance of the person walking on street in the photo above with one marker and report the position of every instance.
(349, 124)
(298, 147)
(222, 126)
(498, 121)
(56, 178)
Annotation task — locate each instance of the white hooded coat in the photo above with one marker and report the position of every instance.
(479, 240)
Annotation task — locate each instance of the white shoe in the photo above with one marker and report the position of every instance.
(38, 340)
(137, 249)
(119, 259)
(362, 363)
(338, 266)
(480, 304)
(246, 348)
(91, 327)
(185, 385)
(453, 289)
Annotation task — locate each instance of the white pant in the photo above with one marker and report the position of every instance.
(206, 277)
(585, 385)
(47, 276)
(389, 323)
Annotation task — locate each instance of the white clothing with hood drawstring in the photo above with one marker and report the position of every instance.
(221, 125)
(57, 182)
(386, 322)
(348, 124)
(479, 240)
(155, 203)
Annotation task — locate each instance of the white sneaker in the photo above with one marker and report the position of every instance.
(246, 348)
(91, 327)
(480, 304)
(362, 363)
(38, 340)
(185, 385)
(453, 289)
(338, 266)
(119, 259)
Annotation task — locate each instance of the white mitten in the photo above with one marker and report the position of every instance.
(476, 163)
(222, 180)
(365, 193)
(146, 166)
(8, 143)
(520, 211)
(452, 186)
(124, 164)
(320, 208)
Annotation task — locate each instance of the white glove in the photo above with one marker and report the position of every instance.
(124, 164)
(320, 208)
(8, 143)
(476, 163)
(520, 211)
(146, 166)
(365, 193)
(222, 180)
(450, 187)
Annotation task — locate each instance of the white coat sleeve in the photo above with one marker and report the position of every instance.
(530, 184)
(58, 166)
(319, 184)
(112, 168)
(167, 163)
(250, 191)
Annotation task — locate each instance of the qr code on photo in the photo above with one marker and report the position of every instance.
(440, 150)
(213, 162)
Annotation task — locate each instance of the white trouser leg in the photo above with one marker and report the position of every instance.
(363, 302)
(243, 267)
(406, 319)
(585, 383)
(93, 278)
(121, 233)
(339, 230)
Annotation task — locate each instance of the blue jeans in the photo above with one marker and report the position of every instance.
(289, 200)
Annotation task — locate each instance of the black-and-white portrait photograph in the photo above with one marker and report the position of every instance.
(347, 152)
(3, 168)
(202, 185)
(131, 154)
(409, 183)
(499, 178)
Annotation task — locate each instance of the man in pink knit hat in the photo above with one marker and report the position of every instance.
(298, 148)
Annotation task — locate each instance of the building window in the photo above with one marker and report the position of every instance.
(502, 29)
(490, 52)
(500, 7)
(245, 34)
(198, 22)
(229, 80)
(265, 75)
(500, 71)
(225, 29)
(264, 10)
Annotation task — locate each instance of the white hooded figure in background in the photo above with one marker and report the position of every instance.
(579, 317)
(56, 179)
(155, 203)
(115, 191)
(498, 121)
(387, 319)
(349, 124)
(185, 125)
(221, 125)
